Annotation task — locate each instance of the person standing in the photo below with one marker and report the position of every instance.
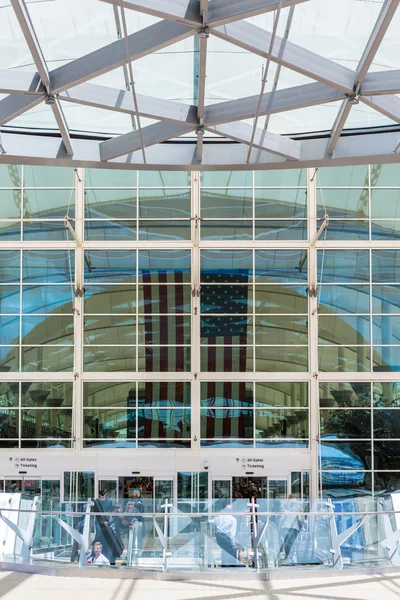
(291, 525)
(226, 526)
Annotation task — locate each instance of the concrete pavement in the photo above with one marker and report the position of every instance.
(24, 586)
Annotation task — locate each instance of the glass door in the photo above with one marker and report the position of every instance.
(277, 488)
(221, 489)
(163, 490)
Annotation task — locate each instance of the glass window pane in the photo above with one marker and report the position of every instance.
(226, 330)
(228, 359)
(10, 203)
(344, 330)
(47, 358)
(385, 204)
(385, 230)
(342, 358)
(161, 230)
(343, 204)
(108, 299)
(49, 204)
(386, 423)
(164, 330)
(345, 230)
(280, 203)
(162, 423)
(109, 231)
(9, 265)
(113, 266)
(9, 359)
(281, 423)
(343, 176)
(109, 394)
(226, 230)
(9, 394)
(385, 175)
(346, 484)
(386, 394)
(344, 299)
(281, 299)
(281, 230)
(228, 203)
(387, 456)
(225, 424)
(11, 175)
(343, 265)
(109, 423)
(9, 330)
(163, 394)
(281, 330)
(344, 394)
(287, 266)
(9, 423)
(9, 299)
(292, 177)
(47, 266)
(154, 299)
(164, 178)
(342, 423)
(351, 456)
(47, 330)
(221, 394)
(164, 204)
(10, 231)
(273, 359)
(164, 266)
(110, 204)
(226, 178)
(110, 330)
(226, 266)
(228, 299)
(386, 359)
(385, 299)
(47, 231)
(282, 394)
(55, 423)
(51, 395)
(386, 266)
(109, 178)
(113, 358)
(386, 330)
(164, 359)
(386, 483)
(47, 299)
(35, 176)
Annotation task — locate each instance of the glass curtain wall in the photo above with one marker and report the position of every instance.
(182, 280)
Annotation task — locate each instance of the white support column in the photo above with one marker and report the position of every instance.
(79, 299)
(313, 332)
(195, 349)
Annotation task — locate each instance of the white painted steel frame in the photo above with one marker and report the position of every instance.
(182, 19)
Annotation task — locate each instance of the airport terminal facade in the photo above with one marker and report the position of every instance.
(200, 332)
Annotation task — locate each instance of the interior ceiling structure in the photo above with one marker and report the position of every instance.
(242, 131)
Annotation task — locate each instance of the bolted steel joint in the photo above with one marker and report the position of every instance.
(49, 99)
(203, 34)
(200, 130)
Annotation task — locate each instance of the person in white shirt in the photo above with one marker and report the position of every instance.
(226, 526)
(98, 558)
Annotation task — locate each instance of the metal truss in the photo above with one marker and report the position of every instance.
(234, 144)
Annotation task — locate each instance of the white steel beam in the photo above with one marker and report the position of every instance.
(386, 15)
(219, 11)
(100, 96)
(62, 125)
(309, 94)
(289, 55)
(130, 142)
(201, 94)
(264, 140)
(144, 42)
(370, 148)
(381, 83)
(14, 105)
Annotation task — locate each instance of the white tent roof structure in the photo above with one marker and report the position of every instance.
(200, 84)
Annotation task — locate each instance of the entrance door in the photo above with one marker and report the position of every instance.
(110, 486)
(163, 490)
(277, 488)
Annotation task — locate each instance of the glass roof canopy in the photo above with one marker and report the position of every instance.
(216, 83)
